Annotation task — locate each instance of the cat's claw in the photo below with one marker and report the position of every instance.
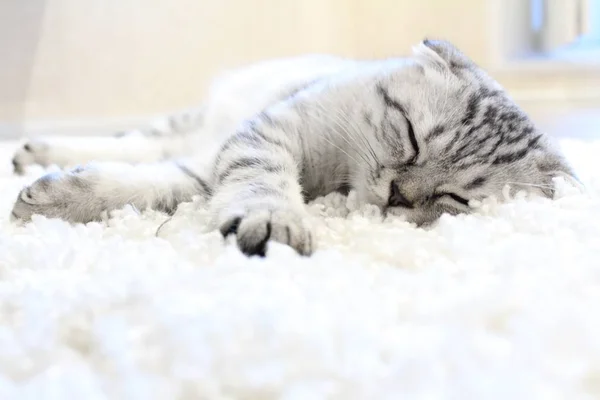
(32, 152)
(255, 229)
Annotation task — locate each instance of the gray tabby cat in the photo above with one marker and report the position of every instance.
(419, 136)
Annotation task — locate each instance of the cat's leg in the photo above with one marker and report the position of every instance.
(71, 151)
(166, 138)
(257, 193)
(85, 194)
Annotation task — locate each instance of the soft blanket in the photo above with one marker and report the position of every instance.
(501, 304)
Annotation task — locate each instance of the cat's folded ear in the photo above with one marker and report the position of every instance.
(441, 54)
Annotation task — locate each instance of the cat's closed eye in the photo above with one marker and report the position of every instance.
(398, 199)
(453, 196)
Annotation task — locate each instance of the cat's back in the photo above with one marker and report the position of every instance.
(239, 94)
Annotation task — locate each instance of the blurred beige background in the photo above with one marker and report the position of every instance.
(113, 60)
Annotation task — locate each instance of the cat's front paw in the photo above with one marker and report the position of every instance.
(256, 228)
(32, 152)
(65, 195)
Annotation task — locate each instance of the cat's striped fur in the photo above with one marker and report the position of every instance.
(417, 136)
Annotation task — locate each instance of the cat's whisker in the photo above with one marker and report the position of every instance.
(340, 149)
(342, 121)
(361, 135)
(366, 141)
(355, 136)
(338, 123)
(362, 155)
(530, 184)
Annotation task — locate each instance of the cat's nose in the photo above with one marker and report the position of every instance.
(397, 198)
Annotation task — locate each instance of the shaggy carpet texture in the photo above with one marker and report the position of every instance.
(501, 304)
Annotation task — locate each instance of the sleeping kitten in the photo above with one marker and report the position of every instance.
(419, 136)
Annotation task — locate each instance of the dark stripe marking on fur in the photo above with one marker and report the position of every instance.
(476, 183)
(205, 187)
(248, 162)
(391, 103)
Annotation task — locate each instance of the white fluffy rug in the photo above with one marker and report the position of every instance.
(503, 304)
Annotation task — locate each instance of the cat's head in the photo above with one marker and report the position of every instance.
(449, 134)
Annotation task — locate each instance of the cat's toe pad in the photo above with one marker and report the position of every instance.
(255, 229)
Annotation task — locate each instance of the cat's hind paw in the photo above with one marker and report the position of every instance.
(66, 195)
(32, 152)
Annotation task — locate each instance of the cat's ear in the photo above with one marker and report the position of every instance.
(441, 54)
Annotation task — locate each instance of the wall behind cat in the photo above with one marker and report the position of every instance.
(84, 59)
